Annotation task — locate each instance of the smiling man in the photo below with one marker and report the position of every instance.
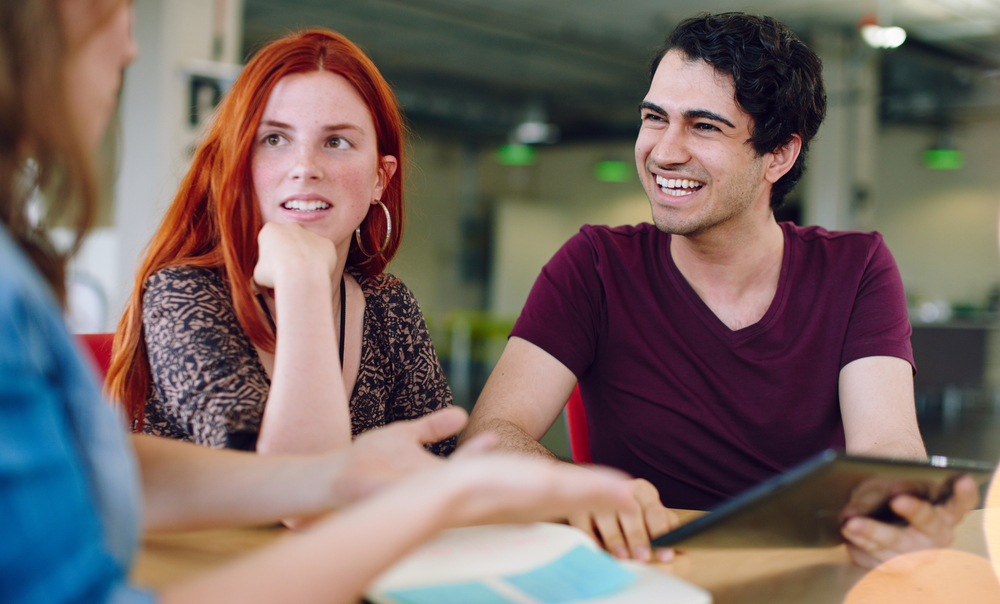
(718, 347)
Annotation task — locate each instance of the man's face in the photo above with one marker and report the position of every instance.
(693, 159)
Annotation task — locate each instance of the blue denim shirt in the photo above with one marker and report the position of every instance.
(69, 497)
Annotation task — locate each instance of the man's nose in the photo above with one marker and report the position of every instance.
(671, 147)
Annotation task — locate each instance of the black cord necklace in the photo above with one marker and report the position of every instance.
(343, 316)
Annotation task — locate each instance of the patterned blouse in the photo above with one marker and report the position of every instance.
(209, 386)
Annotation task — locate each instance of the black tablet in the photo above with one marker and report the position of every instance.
(805, 506)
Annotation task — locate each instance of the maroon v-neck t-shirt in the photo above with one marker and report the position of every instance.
(674, 396)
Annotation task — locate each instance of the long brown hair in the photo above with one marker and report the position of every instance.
(214, 218)
(42, 149)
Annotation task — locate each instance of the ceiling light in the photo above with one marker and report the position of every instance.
(530, 133)
(534, 127)
(877, 36)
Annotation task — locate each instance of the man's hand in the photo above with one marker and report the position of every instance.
(930, 526)
(627, 534)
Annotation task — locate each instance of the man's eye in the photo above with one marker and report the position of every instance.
(706, 127)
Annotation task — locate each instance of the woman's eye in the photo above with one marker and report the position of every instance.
(272, 139)
(338, 143)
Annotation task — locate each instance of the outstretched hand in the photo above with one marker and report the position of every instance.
(384, 456)
(627, 533)
(491, 488)
(930, 526)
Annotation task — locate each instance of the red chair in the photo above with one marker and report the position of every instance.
(99, 345)
(576, 425)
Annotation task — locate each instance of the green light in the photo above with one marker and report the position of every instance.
(614, 171)
(516, 155)
(943, 159)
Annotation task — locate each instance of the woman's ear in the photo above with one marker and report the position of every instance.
(782, 159)
(387, 167)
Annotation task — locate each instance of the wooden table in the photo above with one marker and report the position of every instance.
(800, 576)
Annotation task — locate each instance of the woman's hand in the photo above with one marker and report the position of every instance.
(287, 249)
(930, 526)
(384, 456)
(491, 488)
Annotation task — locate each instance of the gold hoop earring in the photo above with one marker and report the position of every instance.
(388, 231)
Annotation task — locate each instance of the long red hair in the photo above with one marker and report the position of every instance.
(214, 218)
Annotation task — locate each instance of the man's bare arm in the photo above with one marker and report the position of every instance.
(876, 403)
(522, 398)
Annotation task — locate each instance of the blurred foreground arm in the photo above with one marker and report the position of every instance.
(189, 487)
(339, 556)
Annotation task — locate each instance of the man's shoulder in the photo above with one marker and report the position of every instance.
(813, 239)
(818, 235)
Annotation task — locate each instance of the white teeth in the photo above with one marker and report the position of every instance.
(678, 186)
(305, 206)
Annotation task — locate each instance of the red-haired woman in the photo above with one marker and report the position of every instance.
(261, 317)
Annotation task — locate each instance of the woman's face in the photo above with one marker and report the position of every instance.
(315, 158)
(103, 46)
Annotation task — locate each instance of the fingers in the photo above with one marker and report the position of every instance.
(611, 535)
(930, 526)
(659, 519)
(880, 541)
(933, 522)
(627, 533)
(439, 425)
(481, 443)
(964, 498)
(585, 523)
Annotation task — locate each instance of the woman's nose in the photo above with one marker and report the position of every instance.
(307, 166)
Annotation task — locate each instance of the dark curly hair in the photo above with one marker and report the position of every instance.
(778, 79)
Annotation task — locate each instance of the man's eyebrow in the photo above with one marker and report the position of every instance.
(709, 115)
(652, 107)
(689, 115)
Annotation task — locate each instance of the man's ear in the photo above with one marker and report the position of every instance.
(781, 160)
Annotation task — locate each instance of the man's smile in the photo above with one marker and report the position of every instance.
(678, 186)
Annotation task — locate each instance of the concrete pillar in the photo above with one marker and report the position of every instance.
(841, 160)
(157, 135)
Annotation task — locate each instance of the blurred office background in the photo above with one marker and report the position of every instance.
(523, 117)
